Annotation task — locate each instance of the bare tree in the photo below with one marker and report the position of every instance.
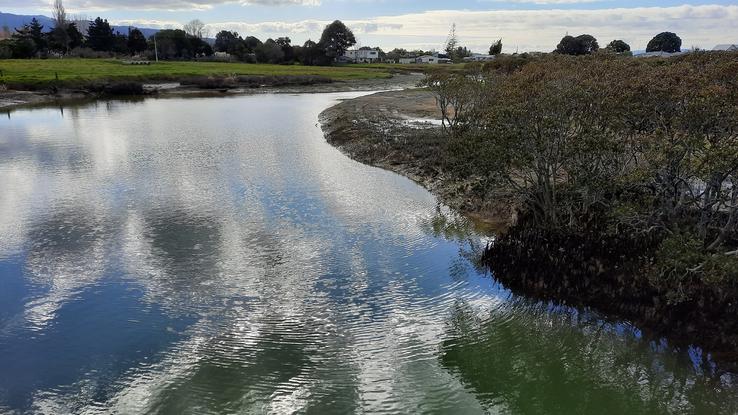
(195, 28)
(59, 14)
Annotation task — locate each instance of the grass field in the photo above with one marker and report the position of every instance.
(30, 73)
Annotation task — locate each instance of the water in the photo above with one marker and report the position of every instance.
(215, 255)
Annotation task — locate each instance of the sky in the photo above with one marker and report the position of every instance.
(523, 25)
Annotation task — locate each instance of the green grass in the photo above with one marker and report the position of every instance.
(43, 72)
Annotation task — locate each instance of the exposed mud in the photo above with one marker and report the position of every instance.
(401, 131)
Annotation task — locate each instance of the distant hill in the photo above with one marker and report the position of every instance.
(17, 20)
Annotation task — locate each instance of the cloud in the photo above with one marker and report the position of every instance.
(524, 30)
(282, 2)
(543, 1)
(170, 5)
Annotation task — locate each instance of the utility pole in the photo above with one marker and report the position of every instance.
(156, 50)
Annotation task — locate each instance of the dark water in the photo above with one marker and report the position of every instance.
(194, 256)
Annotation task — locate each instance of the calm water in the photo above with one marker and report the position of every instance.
(215, 255)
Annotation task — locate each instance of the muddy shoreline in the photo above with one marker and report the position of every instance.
(400, 131)
(13, 99)
(390, 129)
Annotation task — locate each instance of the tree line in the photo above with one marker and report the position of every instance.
(334, 41)
(66, 39)
(587, 44)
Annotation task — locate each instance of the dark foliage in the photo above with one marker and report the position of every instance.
(665, 42)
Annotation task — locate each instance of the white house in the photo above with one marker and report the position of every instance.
(727, 47)
(362, 55)
(426, 59)
(407, 61)
(432, 59)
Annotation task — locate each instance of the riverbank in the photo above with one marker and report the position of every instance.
(205, 86)
(400, 131)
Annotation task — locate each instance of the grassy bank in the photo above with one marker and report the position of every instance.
(41, 73)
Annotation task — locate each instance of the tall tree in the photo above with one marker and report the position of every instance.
(58, 37)
(251, 43)
(36, 30)
(269, 52)
(496, 47)
(100, 35)
(76, 38)
(285, 44)
(452, 42)
(665, 42)
(59, 14)
(136, 41)
(312, 54)
(336, 39)
(226, 41)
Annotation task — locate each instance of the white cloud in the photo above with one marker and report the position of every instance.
(171, 5)
(544, 1)
(525, 30)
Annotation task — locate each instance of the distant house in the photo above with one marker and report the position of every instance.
(726, 47)
(408, 60)
(222, 56)
(432, 59)
(478, 57)
(427, 59)
(659, 54)
(361, 56)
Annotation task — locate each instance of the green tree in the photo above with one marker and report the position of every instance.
(665, 42)
(59, 39)
(395, 54)
(231, 43)
(136, 41)
(312, 54)
(287, 50)
(76, 38)
(251, 43)
(100, 35)
(618, 46)
(580, 45)
(336, 39)
(569, 45)
(177, 44)
(452, 41)
(269, 52)
(29, 40)
(589, 43)
(496, 47)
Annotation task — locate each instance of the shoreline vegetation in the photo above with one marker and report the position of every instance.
(612, 182)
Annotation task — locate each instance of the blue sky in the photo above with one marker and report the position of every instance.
(522, 24)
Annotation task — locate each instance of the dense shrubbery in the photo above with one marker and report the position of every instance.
(605, 146)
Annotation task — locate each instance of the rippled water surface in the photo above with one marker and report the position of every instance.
(215, 255)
